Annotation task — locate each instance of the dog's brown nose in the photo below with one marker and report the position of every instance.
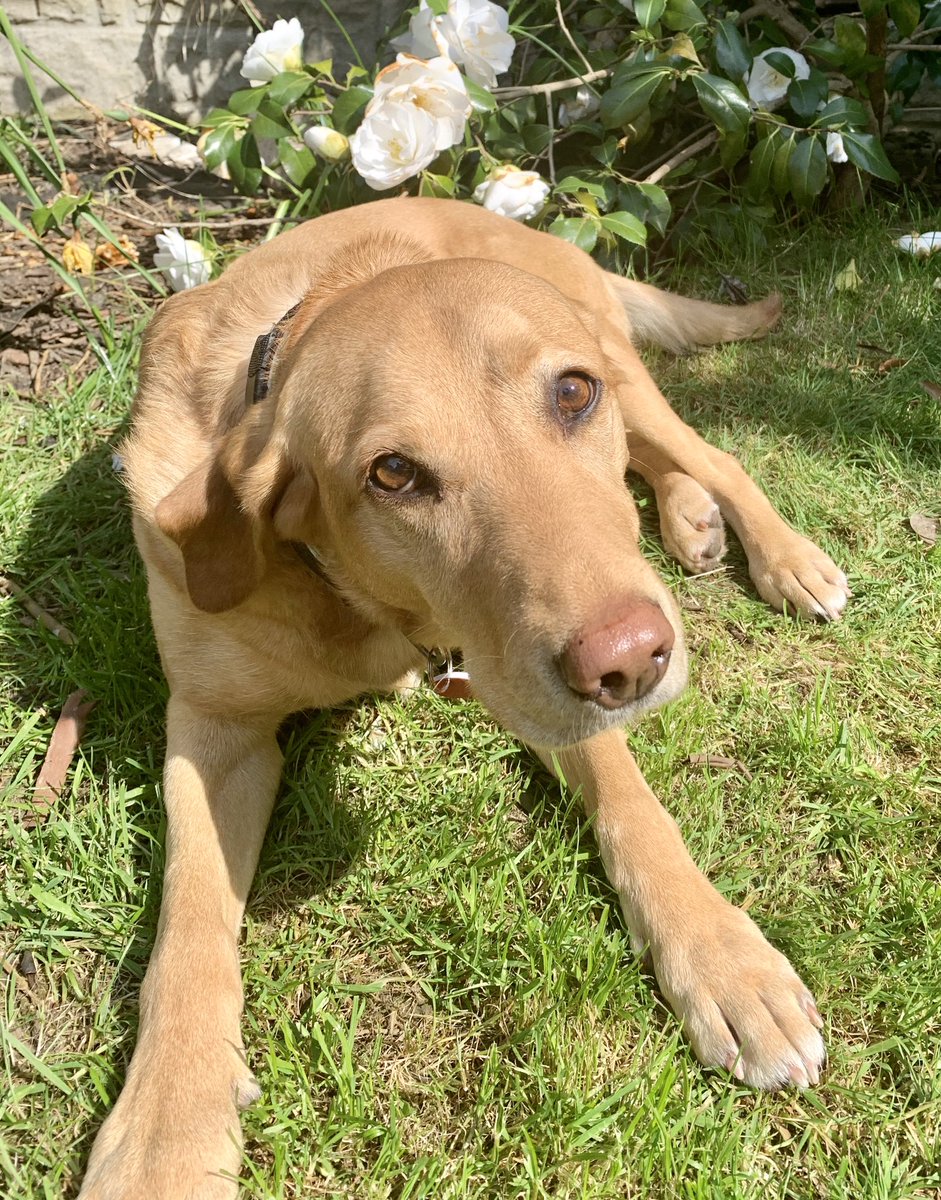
(621, 655)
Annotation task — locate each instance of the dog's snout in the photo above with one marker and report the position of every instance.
(620, 655)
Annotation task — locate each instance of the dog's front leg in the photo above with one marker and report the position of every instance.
(740, 1002)
(174, 1131)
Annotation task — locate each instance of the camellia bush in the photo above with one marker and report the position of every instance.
(599, 122)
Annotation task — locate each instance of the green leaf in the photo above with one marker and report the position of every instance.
(732, 54)
(436, 185)
(246, 101)
(906, 14)
(865, 151)
(648, 12)
(219, 143)
(682, 15)
(807, 170)
(270, 121)
(298, 163)
(572, 184)
(841, 111)
(625, 226)
(580, 231)
(823, 48)
(288, 87)
(850, 36)
(759, 166)
(58, 212)
(621, 104)
(784, 148)
(348, 108)
(732, 147)
(871, 8)
(658, 205)
(218, 116)
(805, 95)
(481, 100)
(782, 63)
(244, 163)
(723, 102)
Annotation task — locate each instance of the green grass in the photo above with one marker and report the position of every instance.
(441, 997)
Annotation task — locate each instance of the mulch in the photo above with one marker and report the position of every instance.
(44, 327)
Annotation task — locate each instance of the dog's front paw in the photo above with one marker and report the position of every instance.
(691, 525)
(799, 577)
(157, 1145)
(741, 1004)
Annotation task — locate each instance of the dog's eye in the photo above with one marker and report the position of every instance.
(575, 394)
(393, 473)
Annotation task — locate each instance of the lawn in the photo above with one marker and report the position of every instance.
(441, 996)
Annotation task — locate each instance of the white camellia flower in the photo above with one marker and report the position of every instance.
(512, 193)
(585, 104)
(394, 142)
(768, 87)
(474, 32)
(418, 109)
(277, 49)
(184, 261)
(328, 143)
(435, 86)
(920, 244)
(836, 152)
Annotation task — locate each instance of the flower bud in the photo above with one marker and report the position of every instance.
(328, 143)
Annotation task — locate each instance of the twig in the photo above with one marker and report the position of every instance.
(571, 41)
(234, 222)
(914, 46)
(680, 157)
(550, 148)
(545, 89)
(655, 162)
(776, 12)
(62, 746)
(9, 588)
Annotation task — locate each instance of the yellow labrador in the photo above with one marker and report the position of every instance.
(425, 451)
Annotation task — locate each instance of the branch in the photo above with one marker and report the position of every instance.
(913, 46)
(776, 12)
(546, 89)
(680, 157)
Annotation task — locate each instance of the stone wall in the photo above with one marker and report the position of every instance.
(175, 57)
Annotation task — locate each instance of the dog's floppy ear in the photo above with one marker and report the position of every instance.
(217, 515)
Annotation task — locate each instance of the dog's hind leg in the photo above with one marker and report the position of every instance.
(174, 1132)
(741, 1004)
(690, 522)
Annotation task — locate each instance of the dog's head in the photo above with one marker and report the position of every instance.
(446, 436)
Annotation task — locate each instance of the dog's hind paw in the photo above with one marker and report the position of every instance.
(799, 577)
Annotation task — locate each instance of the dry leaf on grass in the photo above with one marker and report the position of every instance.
(933, 389)
(890, 364)
(77, 256)
(9, 587)
(109, 255)
(847, 280)
(927, 528)
(719, 762)
(59, 754)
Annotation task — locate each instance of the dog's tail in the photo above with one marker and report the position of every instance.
(665, 319)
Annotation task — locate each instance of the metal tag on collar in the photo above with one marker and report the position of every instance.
(446, 679)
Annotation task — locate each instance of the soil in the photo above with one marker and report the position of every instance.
(44, 327)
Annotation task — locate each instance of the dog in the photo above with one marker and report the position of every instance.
(392, 432)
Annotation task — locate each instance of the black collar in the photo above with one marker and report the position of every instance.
(258, 379)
